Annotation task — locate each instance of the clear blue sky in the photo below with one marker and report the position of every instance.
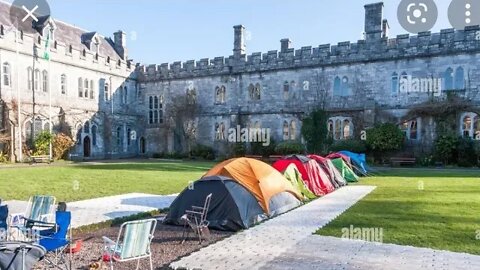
(180, 30)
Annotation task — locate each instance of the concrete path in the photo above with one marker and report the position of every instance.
(257, 247)
(321, 252)
(107, 208)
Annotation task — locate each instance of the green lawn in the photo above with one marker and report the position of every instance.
(79, 182)
(438, 209)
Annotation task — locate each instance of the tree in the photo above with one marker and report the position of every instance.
(384, 138)
(315, 131)
(183, 112)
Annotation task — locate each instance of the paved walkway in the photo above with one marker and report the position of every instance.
(257, 247)
(107, 208)
(287, 243)
(321, 252)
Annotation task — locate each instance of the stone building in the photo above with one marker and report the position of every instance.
(115, 109)
(87, 89)
(378, 79)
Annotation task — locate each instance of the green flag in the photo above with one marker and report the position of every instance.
(46, 55)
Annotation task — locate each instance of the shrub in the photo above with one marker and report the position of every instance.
(446, 148)
(158, 155)
(203, 151)
(42, 143)
(239, 150)
(3, 157)
(315, 131)
(356, 146)
(467, 156)
(61, 145)
(259, 149)
(385, 138)
(289, 148)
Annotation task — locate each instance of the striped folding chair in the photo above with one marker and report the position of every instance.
(133, 243)
(39, 215)
(40, 210)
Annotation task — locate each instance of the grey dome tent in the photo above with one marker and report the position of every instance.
(232, 207)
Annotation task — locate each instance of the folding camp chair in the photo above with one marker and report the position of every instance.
(57, 240)
(20, 256)
(3, 222)
(40, 212)
(39, 215)
(133, 243)
(196, 219)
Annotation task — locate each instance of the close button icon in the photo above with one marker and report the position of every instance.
(25, 15)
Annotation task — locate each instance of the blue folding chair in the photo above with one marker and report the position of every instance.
(57, 240)
(3, 217)
(3, 222)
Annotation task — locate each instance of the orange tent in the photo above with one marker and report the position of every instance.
(262, 180)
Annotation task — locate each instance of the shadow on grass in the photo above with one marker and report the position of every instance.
(169, 167)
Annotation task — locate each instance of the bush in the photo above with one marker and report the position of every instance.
(446, 148)
(385, 138)
(42, 143)
(239, 150)
(467, 156)
(356, 146)
(158, 155)
(289, 148)
(265, 151)
(315, 131)
(3, 157)
(61, 145)
(203, 151)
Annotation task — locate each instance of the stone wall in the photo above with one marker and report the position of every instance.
(310, 72)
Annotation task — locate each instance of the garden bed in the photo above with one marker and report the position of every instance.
(166, 247)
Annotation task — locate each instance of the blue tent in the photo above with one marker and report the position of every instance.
(359, 162)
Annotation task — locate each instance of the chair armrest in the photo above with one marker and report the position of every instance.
(193, 212)
(41, 224)
(108, 241)
(197, 208)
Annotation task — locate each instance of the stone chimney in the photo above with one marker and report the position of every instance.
(385, 28)
(239, 47)
(373, 21)
(286, 44)
(120, 44)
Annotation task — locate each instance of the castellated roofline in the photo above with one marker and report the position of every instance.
(425, 44)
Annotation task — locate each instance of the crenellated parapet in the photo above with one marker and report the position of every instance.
(447, 41)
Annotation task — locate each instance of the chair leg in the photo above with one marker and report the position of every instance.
(151, 263)
(138, 264)
(185, 235)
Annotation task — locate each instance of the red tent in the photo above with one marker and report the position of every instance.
(328, 167)
(313, 175)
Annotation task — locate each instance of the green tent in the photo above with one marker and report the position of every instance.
(295, 177)
(343, 168)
